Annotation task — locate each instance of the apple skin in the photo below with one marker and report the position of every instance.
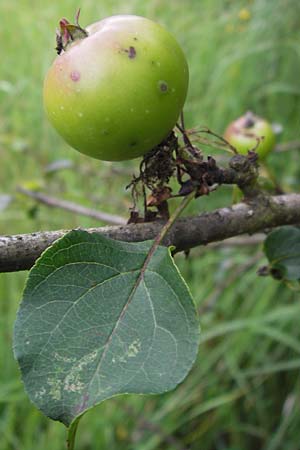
(244, 131)
(117, 93)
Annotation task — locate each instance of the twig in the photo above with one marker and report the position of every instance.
(72, 207)
(239, 241)
(20, 252)
(221, 138)
(287, 146)
(242, 241)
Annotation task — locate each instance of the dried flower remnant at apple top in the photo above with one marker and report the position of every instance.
(135, 67)
(69, 33)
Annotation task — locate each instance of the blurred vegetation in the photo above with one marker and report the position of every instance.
(244, 391)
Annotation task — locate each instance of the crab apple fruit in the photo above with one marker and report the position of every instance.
(249, 129)
(116, 89)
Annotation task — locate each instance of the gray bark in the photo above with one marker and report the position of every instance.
(20, 252)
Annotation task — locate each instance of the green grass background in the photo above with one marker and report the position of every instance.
(244, 391)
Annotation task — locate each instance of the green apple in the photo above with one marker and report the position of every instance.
(116, 89)
(245, 132)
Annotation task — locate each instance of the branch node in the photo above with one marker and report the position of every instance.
(246, 168)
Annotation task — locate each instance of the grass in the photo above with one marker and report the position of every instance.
(243, 392)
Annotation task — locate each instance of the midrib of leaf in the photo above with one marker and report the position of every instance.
(140, 278)
(125, 307)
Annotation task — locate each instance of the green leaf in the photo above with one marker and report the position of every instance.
(282, 248)
(100, 318)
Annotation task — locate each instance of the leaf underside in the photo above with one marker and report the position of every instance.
(96, 321)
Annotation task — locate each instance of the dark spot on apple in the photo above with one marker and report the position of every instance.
(135, 38)
(75, 76)
(249, 120)
(131, 52)
(163, 86)
(133, 143)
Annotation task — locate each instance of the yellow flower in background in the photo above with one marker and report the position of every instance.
(244, 14)
(229, 28)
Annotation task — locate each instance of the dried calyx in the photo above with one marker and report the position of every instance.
(250, 119)
(69, 33)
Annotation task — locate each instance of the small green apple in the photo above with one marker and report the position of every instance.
(244, 132)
